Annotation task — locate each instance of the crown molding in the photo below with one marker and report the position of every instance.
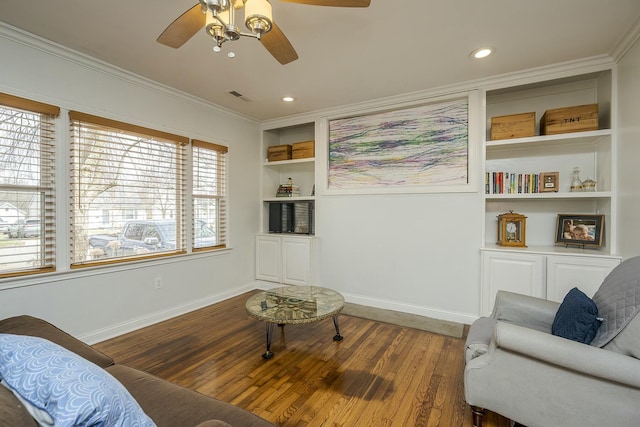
(626, 41)
(49, 47)
(533, 75)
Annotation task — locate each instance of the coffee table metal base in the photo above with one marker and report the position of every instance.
(269, 354)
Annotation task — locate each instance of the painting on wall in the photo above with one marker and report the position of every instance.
(420, 146)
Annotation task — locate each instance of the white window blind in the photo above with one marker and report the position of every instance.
(127, 191)
(209, 195)
(27, 184)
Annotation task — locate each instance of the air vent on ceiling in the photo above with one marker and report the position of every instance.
(239, 95)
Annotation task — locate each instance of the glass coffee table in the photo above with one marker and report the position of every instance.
(295, 305)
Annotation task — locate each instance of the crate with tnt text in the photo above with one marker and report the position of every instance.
(569, 119)
(279, 152)
(513, 126)
(304, 150)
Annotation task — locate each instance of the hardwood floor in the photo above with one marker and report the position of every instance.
(379, 375)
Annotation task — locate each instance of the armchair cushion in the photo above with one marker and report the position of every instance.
(627, 342)
(577, 318)
(618, 300)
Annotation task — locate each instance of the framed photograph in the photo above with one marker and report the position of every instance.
(549, 182)
(581, 230)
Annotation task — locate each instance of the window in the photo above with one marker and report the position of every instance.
(209, 195)
(27, 183)
(127, 191)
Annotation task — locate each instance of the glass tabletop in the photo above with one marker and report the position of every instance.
(295, 304)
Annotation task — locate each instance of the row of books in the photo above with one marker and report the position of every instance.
(511, 183)
(286, 190)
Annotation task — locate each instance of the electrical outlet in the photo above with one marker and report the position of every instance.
(158, 282)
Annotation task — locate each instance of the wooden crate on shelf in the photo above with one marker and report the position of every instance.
(513, 126)
(279, 152)
(569, 119)
(303, 150)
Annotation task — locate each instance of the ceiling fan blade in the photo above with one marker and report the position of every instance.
(334, 3)
(279, 45)
(183, 28)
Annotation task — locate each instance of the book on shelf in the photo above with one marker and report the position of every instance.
(287, 190)
(511, 183)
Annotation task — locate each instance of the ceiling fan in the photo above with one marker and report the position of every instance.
(218, 18)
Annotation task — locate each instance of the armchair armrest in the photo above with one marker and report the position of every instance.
(567, 354)
(524, 310)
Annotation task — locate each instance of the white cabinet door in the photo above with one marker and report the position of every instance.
(586, 273)
(269, 258)
(509, 271)
(297, 256)
(286, 259)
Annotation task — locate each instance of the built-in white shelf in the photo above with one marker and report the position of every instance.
(290, 162)
(290, 199)
(563, 195)
(546, 141)
(551, 249)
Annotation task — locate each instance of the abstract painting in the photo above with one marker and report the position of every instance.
(426, 145)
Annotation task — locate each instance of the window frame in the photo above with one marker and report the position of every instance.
(47, 178)
(76, 120)
(220, 196)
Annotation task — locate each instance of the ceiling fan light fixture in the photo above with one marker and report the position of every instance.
(216, 6)
(214, 27)
(258, 16)
(219, 22)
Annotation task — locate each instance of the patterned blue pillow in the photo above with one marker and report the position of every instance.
(577, 318)
(72, 390)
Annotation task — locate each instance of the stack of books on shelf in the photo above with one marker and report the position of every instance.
(511, 183)
(287, 190)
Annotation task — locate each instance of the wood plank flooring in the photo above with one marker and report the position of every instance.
(379, 375)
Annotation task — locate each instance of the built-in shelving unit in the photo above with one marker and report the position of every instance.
(544, 269)
(288, 257)
(591, 151)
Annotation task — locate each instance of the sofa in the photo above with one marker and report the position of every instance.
(569, 364)
(166, 404)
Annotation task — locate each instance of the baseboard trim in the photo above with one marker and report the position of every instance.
(401, 307)
(159, 316)
(442, 327)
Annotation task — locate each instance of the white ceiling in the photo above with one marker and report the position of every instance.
(347, 55)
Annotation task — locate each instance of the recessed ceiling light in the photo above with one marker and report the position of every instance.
(288, 99)
(483, 52)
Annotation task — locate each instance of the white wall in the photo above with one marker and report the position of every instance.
(101, 302)
(629, 152)
(416, 253)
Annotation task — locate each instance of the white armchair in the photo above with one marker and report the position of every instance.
(517, 368)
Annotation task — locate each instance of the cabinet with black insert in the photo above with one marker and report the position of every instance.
(285, 248)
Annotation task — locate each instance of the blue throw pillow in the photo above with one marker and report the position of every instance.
(577, 318)
(69, 388)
